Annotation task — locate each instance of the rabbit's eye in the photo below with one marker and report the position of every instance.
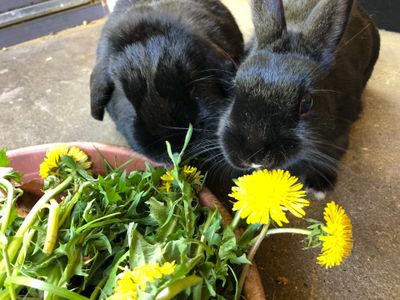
(305, 105)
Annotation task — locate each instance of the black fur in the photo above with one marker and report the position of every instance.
(162, 65)
(323, 49)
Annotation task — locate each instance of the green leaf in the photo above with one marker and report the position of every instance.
(99, 241)
(239, 260)
(69, 162)
(111, 195)
(158, 210)
(207, 271)
(211, 234)
(187, 139)
(156, 174)
(135, 200)
(228, 245)
(178, 286)
(173, 249)
(106, 163)
(175, 158)
(142, 252)
(118, 259)
(165, 233)
(99, 222)
(183, 269)
(87, 213)
(4, 161)
(44, 286)
(236, 282)
(122, 186)
(312, 240)
(189, 214)
(248, 235)
(210, 284)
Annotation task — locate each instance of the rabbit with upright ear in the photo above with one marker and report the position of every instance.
(161, 65)
(299, 90)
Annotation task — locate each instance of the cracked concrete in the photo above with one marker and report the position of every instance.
(44, 97)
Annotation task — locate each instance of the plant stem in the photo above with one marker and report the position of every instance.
(235, 220)
(9, 204)
(10, 287)
(31, 217)
(264, 233)
(52, 277)
(5, 220)
(202, 238)
(197, 291)
(65, 213)
(72, 262)
(288, 230)
(250, 257)
(15, 244)
(52, 227)
(23, 251)
(97, 289)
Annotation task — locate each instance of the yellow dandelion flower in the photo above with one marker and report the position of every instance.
(188, 170)
(167, 176)
(166, 186)
(129, 281)
(150, 272)
(51, 162)
(192, 175)
(167, 179)
(188, 173)
(265, 195)
(146, 274)
(126, 286)
(167, 268)
(337, 243)
(80, 157)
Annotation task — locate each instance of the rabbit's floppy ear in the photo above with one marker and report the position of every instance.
(325, 25)
(269, 21)
(101, 89)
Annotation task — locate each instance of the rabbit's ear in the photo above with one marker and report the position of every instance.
(101, 89)
(324, 27)
(269, 21)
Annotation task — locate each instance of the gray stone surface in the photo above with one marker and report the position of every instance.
(44, 91)
(44, 97)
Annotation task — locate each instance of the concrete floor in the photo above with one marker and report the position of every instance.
(44, 97)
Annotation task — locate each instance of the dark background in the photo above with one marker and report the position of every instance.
(386, 13)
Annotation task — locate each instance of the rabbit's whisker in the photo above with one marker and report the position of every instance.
(353, 37)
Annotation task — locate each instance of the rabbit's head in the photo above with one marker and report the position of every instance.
(275, 109)
(170, 76)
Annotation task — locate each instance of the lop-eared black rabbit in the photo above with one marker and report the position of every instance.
(299, 90)
(162, 64)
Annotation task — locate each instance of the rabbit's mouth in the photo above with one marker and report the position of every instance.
(284, 165)
(268, 162)
(256, 166)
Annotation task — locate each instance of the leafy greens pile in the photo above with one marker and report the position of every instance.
(85, 229)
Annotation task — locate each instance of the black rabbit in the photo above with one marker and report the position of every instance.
(161, 65)
(299, 90)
